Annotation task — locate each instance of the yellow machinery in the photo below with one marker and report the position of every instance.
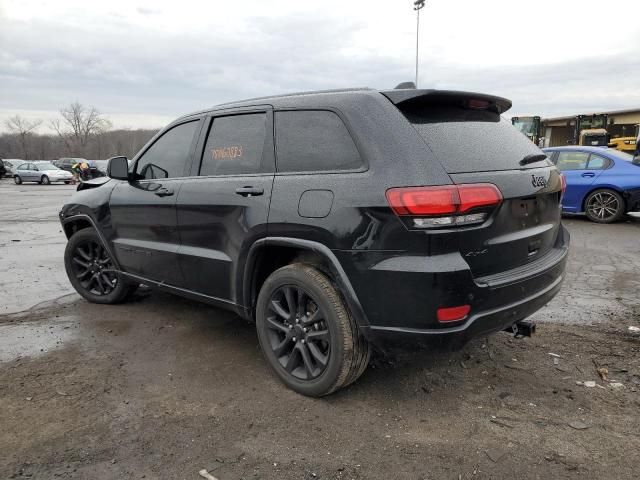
(594, 137)
(625, 144)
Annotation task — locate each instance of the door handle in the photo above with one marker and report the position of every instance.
(163, 192)
(249, 191)
(588, 174)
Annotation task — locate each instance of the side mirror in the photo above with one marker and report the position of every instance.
(118, 168)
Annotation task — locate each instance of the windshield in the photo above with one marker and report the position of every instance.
(46, 166)
(527, 126)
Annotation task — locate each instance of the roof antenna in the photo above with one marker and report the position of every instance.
(405, 85)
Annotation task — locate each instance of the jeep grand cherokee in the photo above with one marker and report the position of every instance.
(335, 220)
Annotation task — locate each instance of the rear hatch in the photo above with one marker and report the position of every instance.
(474, 144)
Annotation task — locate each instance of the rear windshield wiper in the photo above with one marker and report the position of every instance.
(533, 158)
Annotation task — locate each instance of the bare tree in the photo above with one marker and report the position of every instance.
(50, 146)
(79, 125)
(23, 128)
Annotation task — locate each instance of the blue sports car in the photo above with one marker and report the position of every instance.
(602, 183)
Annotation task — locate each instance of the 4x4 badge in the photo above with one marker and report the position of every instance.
(538, 181)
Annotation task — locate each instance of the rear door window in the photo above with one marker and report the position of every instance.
(235, 145)
(596, 162)
(466, 140)
(312, 141)
(572, 161)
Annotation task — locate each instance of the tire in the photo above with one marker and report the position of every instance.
(87, 264)
(44, 180)
(604, 206)
(17, 180)
(317, 349)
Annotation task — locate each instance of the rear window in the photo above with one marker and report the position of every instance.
(466, 140)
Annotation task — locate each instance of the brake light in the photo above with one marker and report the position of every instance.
(563, 183)
(453, 314)
(478, 104)
(444, 205)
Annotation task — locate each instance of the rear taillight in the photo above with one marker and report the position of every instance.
(453, 314)
(563, 183)
(446, 205)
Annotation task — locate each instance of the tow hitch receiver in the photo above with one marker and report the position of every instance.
(522, 329)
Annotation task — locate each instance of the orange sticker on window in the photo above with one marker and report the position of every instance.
(233, 151)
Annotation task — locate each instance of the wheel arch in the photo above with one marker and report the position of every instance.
(270, 253)
(80, 221)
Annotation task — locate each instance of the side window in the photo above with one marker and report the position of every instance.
(596, 162)
(572, 160)
(314, 140)
(235, 145)
(167, 157)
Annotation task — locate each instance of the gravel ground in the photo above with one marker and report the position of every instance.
(163, 387)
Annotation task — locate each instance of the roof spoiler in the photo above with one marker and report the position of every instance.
(479, 101)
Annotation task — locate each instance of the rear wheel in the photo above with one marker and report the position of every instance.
(604, 206)
(91, 270)
(44, 180)
(17, 179)
(306, 333)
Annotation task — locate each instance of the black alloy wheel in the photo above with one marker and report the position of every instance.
(93, 268)
(306, 333)
(604, 206)
(92, 271)
(298, 333)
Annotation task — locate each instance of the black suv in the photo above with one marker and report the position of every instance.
(335, 220)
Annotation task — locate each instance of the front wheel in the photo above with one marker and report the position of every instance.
(306, 333)
(604, 206)
(91, 270)
(44, 180)
(17, 180)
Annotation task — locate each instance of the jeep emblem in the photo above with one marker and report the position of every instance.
(538, 181)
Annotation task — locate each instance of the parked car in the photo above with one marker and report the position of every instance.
(101, 167)
(602, 183)
(335, 220)
(40, 172)
(68, 163)
(10, 164)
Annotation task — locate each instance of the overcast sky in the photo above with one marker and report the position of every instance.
(143, 63)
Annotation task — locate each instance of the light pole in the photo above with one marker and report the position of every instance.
(417, 6)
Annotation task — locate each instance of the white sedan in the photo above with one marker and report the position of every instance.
(41, 172)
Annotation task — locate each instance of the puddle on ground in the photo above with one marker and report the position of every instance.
(34, 339)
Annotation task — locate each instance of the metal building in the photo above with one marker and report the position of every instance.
(563, 130)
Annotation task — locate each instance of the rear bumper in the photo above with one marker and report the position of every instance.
(478, 325)
(632, 198)
(401, 305)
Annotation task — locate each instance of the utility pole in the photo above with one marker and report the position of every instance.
(417, 6)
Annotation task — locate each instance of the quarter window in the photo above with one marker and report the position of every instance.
(572, 161)
(235, 145)
(167, 157)
(314, 140)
